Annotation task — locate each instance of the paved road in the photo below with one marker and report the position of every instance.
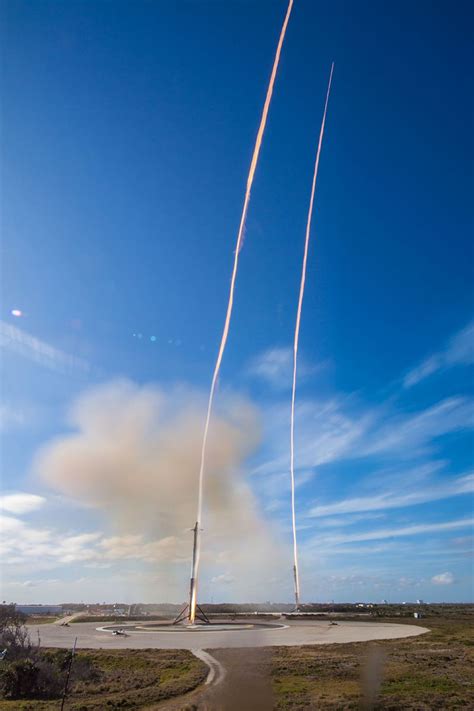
(296, 632)
(216, 670)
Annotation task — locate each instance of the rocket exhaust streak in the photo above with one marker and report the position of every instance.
(295, 345)
(253, 165)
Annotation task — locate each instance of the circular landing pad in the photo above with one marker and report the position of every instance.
(242, 633)
(190, 629)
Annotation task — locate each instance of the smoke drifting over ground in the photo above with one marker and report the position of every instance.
(134, 454)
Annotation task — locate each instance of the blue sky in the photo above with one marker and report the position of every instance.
(127, 134)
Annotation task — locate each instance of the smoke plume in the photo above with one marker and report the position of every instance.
(134, 454)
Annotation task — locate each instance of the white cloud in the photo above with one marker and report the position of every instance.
(39, 582)
(422, 371)
(225, 578)
(274, 488)
(461, 347)
(381, 534)
(340, 429)
(24, 543)
(21, 503)
(459, 351)
(404, 435)
(393, 499)
(9, 524)
(324, 432)
(340, 519)
(275, 366)
(443, 579)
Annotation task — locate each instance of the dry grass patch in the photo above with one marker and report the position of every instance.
(432, 671)
(124, 679)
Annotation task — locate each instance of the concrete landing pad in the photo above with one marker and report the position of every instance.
(220, 634)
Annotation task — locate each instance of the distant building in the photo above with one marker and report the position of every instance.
(420, 602)
(39, 609)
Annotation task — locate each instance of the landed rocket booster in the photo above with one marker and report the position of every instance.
(193, 581)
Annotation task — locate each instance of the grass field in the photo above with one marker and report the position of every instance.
(125, 679)
(432, 671)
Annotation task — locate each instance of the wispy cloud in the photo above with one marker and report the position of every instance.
(341, 519)
(392, 499)
(380, 534)
(406, 435)
(341, 429)
(225, 578)
(276, 486)
(443, 579)
(325, 432)
(459, 351)
(275, 367)
(40, 352)
(38, 582)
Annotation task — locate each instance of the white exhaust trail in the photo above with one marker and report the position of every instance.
(295, 346)
(253, 165)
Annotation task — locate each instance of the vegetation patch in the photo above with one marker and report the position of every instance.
(34, 679)
(432, 671)
(121, 679)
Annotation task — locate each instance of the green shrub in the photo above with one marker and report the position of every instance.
(20, 679)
